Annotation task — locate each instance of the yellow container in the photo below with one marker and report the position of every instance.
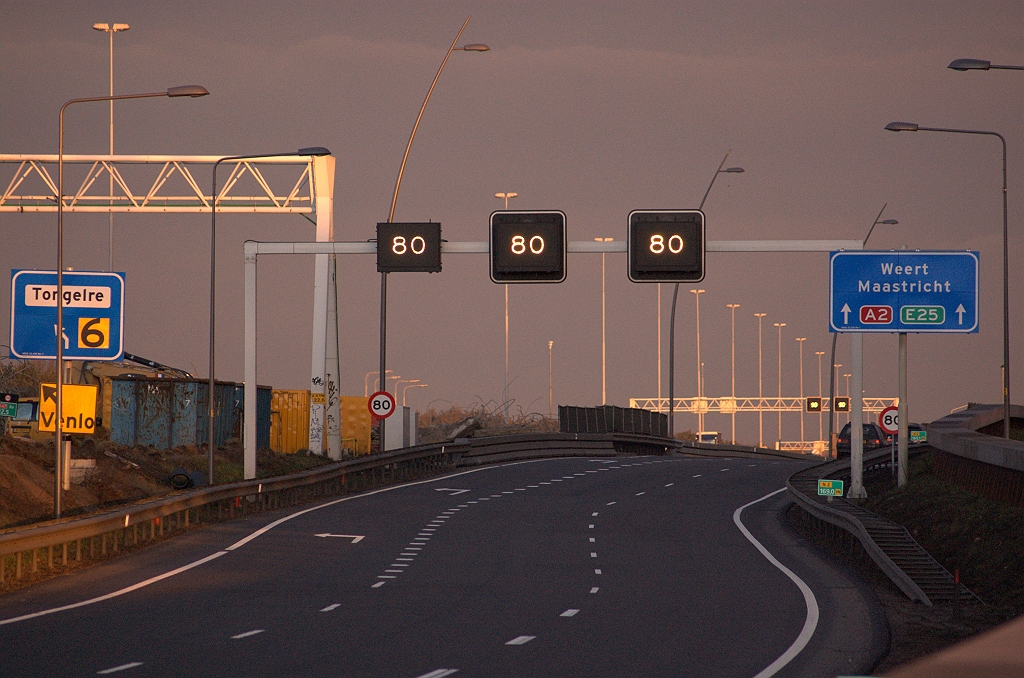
(289, 421)
(355, 424)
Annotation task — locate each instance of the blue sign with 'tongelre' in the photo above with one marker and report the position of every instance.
(92, 310)
(903, 291)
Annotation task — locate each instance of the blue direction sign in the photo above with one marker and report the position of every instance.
(903, 291)
(93, 314)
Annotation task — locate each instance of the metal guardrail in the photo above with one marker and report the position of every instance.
(55, 544)
(889, 545)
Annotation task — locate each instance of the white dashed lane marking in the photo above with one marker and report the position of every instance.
(335, 606)
(670, 485)
(597, 571)
(639, 493)
(247, 634)
(610, 503)
(592, 540)
(439, 673)
(520, 640)
(697, 476)
(378, 584)
(594, 589)
(569, 613)
(122, 667)
(593, 555)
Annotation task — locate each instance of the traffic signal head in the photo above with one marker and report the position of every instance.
(408, 248)
(842, 405)
(666, 246)
(527, 247)
(813, 405)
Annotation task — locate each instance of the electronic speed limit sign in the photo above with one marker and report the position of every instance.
(381, 404)
(889, 420)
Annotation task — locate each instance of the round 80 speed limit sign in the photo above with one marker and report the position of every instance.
(889, 420)
(381, 404)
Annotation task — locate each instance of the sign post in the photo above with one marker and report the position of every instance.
(901, 291)
(889, 421)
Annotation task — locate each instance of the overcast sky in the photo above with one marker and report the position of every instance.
(596, 109)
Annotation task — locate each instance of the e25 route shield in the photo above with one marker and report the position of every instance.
(903, 291)
(93, 315)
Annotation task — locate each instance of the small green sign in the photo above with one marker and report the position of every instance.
(918, 436)
(8, 409)
(922, 315)
(830, 488)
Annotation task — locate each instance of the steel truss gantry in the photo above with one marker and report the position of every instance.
(167, 184)
(32, 186)
(728, 405)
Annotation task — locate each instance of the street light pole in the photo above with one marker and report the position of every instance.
(760, 392)
(181, 91)
(733, 307)
(551, 380)
(800, 341)
(604, 349)
(820, 409)
(504, 394)
(914, 127)
(700, 384)
(406, 388)
(675, 295)
(110, 30)
(780, 326)
(394, 201)
(212, 396)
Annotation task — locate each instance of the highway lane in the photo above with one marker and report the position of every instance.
(603, 567)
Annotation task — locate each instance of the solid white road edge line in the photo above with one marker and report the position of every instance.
(258, 533)
(115, 594)
(810, 623)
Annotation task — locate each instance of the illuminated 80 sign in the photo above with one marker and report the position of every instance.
(408, 248)
(666, 246)
(527, 247)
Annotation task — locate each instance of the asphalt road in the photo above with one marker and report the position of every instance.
(566, 567)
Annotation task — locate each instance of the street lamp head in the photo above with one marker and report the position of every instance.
(314, 151)
(603, 239)
(969, 65)
(475, 47)
(106, 28)
(733, 170)
(902, 127)
(188, 91)
(889, 222)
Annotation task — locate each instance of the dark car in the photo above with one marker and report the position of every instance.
(873, 437)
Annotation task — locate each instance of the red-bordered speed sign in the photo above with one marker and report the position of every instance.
(381, 404)
(889, 420)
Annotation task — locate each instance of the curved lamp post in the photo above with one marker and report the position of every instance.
(181, 91)
(311, 151)
(675, 296)
(406, 388)
(475, 47)
(914, 127)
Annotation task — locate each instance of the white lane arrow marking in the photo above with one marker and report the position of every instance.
(450, 490)
(845, 310)
(960, 310)
(356, 538)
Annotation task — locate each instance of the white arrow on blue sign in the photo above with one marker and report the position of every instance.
(903, 291)
(93, 315)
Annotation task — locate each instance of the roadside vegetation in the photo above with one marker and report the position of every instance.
(122, 474)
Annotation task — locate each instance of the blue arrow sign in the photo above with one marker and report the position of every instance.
(93, 314)
(903, 291)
